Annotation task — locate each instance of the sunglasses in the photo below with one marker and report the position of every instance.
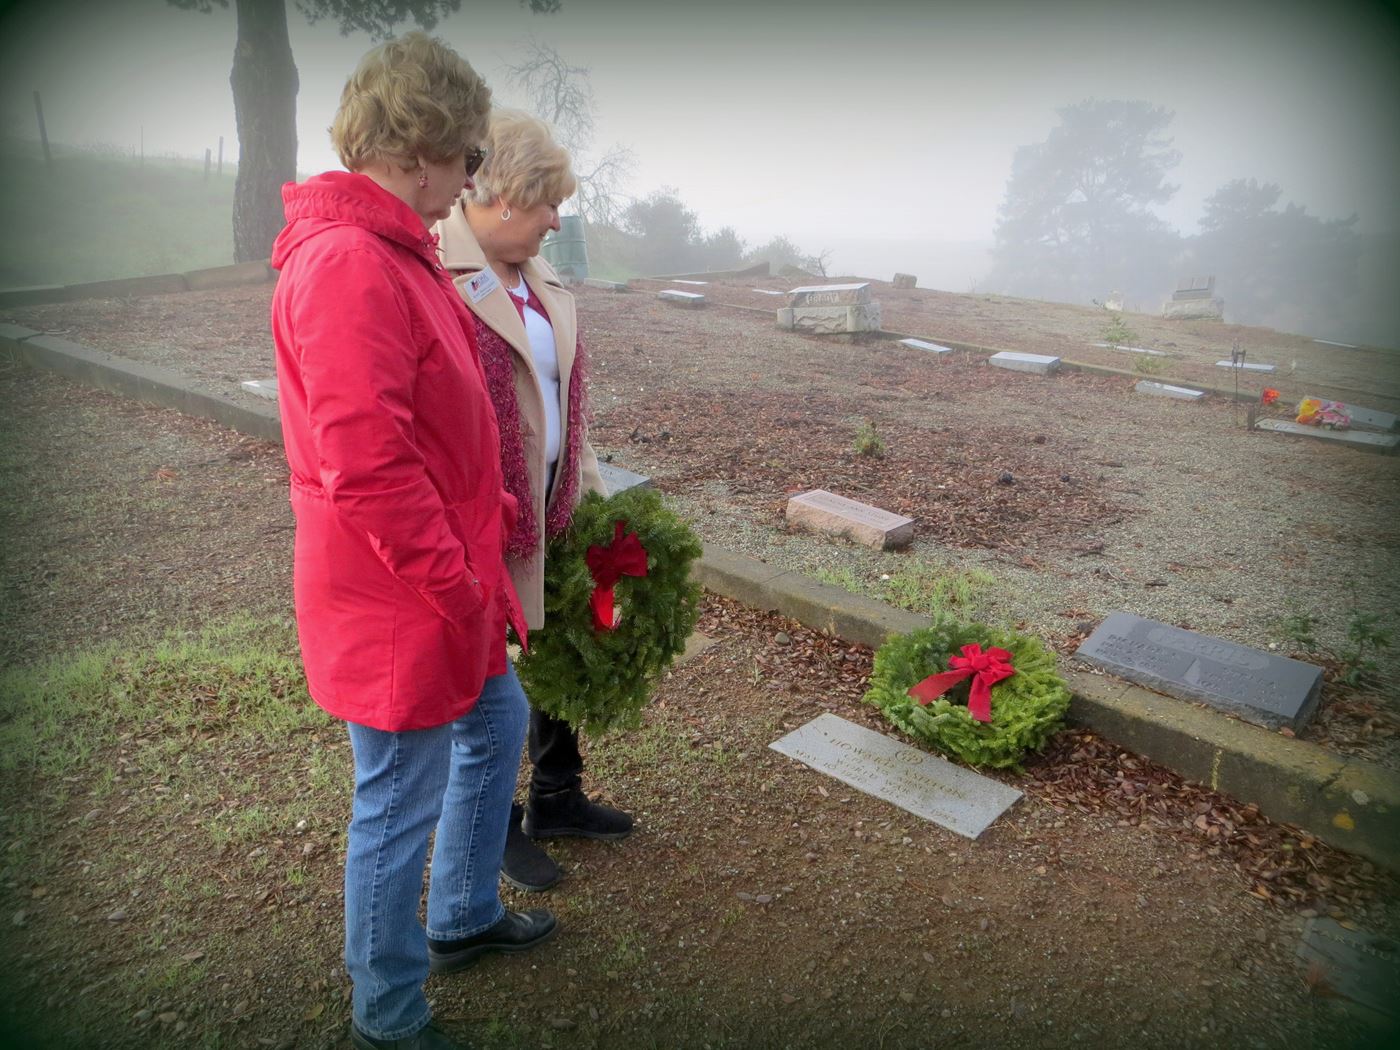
(474, 159)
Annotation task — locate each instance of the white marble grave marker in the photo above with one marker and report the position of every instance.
(1363, 439)
(262, 387)
(1246, 367)
(827, 512)
(919, 344)
(680, 298)
(1181, 393)
(926, 785)
(1040, 364)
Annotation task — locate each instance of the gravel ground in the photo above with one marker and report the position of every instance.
(1118, 502)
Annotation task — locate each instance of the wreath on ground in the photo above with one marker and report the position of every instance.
(619, 605)
(938, 683)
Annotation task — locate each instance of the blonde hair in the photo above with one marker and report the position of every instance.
(409, 97)
(524, 165)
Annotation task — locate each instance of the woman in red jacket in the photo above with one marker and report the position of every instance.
(402, 597)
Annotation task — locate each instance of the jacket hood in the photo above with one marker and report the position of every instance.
(343, 198)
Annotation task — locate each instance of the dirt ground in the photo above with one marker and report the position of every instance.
(758, 904)
(1068, 498)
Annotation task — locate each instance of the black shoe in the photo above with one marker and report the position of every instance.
(517, 932)
(526, 866)
(430, 1038)
(570, 813)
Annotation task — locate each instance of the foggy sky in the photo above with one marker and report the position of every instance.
(827, 122)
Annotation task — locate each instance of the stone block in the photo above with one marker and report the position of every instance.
(1181, 393)
(830, 320)
(680, 298)
(1362, 439)
(1132, 349)
(919, 344)
(904, 280)
(926, 785)
(1248, 366)
(1039, 364)
(1194, 309)
(1257, 686)
(261, 387)
(824, 511)
(15, 333)
(619, 479)
(682, 280)
(1358, 965)
(830, 295)
(607, 286)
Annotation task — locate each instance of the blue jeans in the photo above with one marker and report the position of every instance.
(459, 778)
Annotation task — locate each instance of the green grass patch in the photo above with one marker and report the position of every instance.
(101, 214)
(921, 586)
(241, 677)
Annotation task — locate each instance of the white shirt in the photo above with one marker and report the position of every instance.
(546, 359)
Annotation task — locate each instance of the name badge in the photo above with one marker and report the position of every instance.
(482, 285)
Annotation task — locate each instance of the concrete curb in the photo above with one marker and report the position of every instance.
(148, 383)
(1350, 803)
(156, 284)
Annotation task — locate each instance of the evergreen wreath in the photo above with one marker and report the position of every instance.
(1027, 708)
(596, 679)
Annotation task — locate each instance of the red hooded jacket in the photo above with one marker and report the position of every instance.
(402, 597)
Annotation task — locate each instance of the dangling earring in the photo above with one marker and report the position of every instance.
(422, 179)
(505, 215)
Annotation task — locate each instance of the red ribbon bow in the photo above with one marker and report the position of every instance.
(625, 556)
(985, 670)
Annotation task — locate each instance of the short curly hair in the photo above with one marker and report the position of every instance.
(524, 165)
(411, 96)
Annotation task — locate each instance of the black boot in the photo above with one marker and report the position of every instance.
(517, 932)
(558, 813)
(526, 866)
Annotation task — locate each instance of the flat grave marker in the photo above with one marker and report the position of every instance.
(1356, 965)
(681, 280)
(1329, 342)
(825, 511)
(926, 785)
(767, 291)
(1246, 367)
(1255, 685)
(1363, 439)
(261, 387)
(1181, 393)
(620, 479)
(607, 286)
(919, 344)
(680, 298)
(1132, 349)
(1039, 364)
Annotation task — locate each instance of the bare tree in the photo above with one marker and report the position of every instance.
(562, 94)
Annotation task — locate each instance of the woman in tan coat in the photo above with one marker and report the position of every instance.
(535, 365)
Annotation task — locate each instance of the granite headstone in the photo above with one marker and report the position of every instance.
(1257, 686)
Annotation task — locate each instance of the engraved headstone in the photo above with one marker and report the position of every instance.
(830, 295)
(1363, 439)
(1132, 349)
(680, 298)
(1255, 685)
(1194, 288)
(926, 785)
(1181, 393)
(1360, 966)
(262, 387)
(619, 479)
(1040, 364)
(904, 280)
(825, 511)
(919, 344)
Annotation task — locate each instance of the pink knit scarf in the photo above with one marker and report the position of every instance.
(497, 363)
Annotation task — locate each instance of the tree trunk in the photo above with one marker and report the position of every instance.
(265, 83)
